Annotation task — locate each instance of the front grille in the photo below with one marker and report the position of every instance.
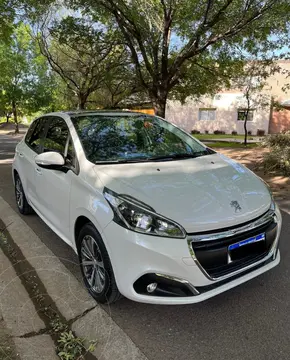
(213, 255)
(214, 285)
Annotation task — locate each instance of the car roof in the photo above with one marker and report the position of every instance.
(75, 113)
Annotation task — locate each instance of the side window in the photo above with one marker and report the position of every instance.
(30, 131)
(34, 137)
(56, 137)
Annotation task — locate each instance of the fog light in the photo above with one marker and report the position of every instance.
(151, 287)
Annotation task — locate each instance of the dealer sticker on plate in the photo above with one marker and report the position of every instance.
(251, 240)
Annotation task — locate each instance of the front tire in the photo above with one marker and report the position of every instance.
(96, 266)
(21, 201)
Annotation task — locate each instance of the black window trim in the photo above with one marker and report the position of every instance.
(42, 135)
(74, 169)
(45, 118)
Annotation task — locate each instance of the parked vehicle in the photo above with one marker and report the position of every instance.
(152, 213)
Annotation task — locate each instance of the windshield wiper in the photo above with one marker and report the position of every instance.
(121, 161)
(166, 157)
(177, 156)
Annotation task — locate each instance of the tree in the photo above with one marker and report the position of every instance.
(118, 87)
(253, 83)
(7, 16)
(25, 82)
(80, 54)
(165, 37)
(5, 106)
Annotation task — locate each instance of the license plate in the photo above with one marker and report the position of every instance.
(243, 248)
(251, 240)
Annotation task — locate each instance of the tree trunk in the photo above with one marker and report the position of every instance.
(246, 131)
(159, 103)
(82, 100)
(15, 115)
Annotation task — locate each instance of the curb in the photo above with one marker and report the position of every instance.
(86, 318)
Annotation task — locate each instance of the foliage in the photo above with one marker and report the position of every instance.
(170, 40)
(7, 15)
(260, 132)
(72, 347)
(25, 82)
(195, 132)
(87, 58)
(219, 132)
(278, 158)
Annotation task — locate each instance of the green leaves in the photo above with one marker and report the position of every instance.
(25, 78)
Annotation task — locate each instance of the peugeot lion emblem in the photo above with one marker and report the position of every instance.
(236, 206)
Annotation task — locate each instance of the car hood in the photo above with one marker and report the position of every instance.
(201, 194)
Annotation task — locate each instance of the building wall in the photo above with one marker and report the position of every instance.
(226, 104)
(280, 121)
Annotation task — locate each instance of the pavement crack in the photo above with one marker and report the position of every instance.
(71, 321)
(55, 323)
(34, 333)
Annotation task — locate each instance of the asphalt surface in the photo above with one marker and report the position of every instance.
(251, 321)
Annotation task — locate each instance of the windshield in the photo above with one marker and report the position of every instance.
(123, 138)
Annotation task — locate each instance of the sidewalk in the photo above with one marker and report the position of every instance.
(231, 140)
(41, 300)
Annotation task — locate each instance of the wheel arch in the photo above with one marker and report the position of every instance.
(84, 217)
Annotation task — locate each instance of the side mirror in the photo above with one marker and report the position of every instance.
(50, 160)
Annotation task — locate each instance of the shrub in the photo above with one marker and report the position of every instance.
(278, 159)
(234, 132)
(249, 132)
(219, 132)
(260, 132)
(194, 131)
(206, 132)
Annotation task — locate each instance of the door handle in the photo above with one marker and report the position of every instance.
(38, 171)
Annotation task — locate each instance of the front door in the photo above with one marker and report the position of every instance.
(52, 186)
(26, 152)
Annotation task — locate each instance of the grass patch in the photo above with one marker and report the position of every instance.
(213, 136)
(231, 145)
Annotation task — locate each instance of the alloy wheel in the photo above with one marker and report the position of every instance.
(92, 264)
(19, 193)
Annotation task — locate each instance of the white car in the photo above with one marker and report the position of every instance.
(152, 213)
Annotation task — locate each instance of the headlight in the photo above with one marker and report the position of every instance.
(139, 217)
(273, 204)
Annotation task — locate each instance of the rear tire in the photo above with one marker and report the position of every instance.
(21, 201)
(96, 266)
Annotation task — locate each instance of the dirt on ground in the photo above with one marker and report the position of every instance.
(253, 159)
(7, 347)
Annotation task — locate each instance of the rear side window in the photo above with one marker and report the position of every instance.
(57, 135)
(34, 135)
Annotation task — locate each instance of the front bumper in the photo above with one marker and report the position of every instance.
(134, 255)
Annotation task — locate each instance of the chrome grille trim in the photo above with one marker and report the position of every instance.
(270, 215)
(267, 217)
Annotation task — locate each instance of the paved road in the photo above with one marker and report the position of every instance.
(248, 322)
